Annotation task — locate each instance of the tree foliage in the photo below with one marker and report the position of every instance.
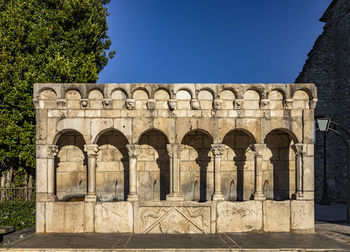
(44, 41)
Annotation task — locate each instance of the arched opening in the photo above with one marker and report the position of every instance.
(196, 164)
(112, 171)
(71, 167)
(153, 166)
(237, 166)
(279, 175)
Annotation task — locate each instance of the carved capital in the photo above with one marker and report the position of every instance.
(151, 104)
(217, 104)
(36, 103)
(130, 103)
(84, 103)
(172, 104)
(91, 150)
(52, 151)
(264, 104)
(217, 149)
(174, 148)
(195, 104)
(238, 104)
(133, 149)
(107, 103)
(61, 103)
(313, 103)
(258, 149)
(299, 149)
(288, 103)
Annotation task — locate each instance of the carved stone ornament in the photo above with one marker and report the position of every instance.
(52, 151)
(299, 148)
(258, 149)
(107, 103)
(172, 104)
(313, 103)
(264, 104)
(217, 104)
(84, 103)
(217, 149)
(195, 104)
(238, 104)
(91, 150)
(288, 103)
(133, 149)
(130, 103)
(151, 104)
(61, 103)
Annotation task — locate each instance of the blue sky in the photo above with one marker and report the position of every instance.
(238, 41)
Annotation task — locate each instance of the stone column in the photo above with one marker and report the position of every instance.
(298, 149)
(217, 150)
(258, 158)
(174, 165)
(52, 151)
(134, 151)
(91, 150)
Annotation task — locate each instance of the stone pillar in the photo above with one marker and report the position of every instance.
(134, 151)
(258, 158)
(52, 151)
(174, 169)
(299, 149)
(91, 150)
(217, 150)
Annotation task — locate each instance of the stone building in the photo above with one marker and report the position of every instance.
(328, 66)
(174, 158)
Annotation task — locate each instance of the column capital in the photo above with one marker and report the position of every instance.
(217, 149)
(299, 148)
(133, 149)
(52, 151)
(91, 150)
(258, 149)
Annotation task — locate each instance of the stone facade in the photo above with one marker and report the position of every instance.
(174, 158)
(328, 67)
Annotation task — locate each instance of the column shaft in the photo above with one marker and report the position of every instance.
(134, 150)
(217, 150)
(258, 158)
(299, 150)
(174, 169)
(91, 150)
(52, 151)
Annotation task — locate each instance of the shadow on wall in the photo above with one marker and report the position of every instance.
(195, 168)
(153, 166)
(71, 167)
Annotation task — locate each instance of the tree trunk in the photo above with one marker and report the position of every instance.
(30, 185)
(9, 177)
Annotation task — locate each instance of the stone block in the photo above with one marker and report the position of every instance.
(40, 217)
(239, 216)
(276, 216)
(302, 216)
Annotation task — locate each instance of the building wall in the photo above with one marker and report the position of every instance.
(327, 66)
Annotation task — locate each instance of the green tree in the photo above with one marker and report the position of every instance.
(43, 41)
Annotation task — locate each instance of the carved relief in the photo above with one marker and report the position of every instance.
(130, 103)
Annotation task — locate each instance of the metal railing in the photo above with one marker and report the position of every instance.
(17, 193)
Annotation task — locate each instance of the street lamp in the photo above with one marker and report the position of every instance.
(323, 126)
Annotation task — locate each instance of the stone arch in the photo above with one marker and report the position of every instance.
(47, 93)
(118, 96)
(71, 166)
(196, 164)
(112, 169)
(227, 96)
(184, 97)
(141, 97)
(279, 164)
(301, 99)
(95, 94)
(153, 166)
(206, 97)
(72, 94)
(276, 98)
(237, 165)
(251, 99)
(162, 97)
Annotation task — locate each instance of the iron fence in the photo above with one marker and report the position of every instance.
(17, 194)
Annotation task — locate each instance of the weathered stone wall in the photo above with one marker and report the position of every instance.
(328, 67)
(168, 158)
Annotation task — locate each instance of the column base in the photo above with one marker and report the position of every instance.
(50, 197)
(133, 197)
(298, 196)
(259, 196)
(218, 196)
(91, 198)
(175, 197)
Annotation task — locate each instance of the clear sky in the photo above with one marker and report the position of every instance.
(238, 41)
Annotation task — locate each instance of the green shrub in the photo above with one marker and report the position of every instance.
(20, 214)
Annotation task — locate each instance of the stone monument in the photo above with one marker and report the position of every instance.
(174, 158)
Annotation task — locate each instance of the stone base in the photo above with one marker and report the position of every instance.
(175, 197)
(218, 197)
(133, 197)
(91, 198)
(259, 196)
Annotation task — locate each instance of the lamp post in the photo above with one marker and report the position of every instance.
(323, 126)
